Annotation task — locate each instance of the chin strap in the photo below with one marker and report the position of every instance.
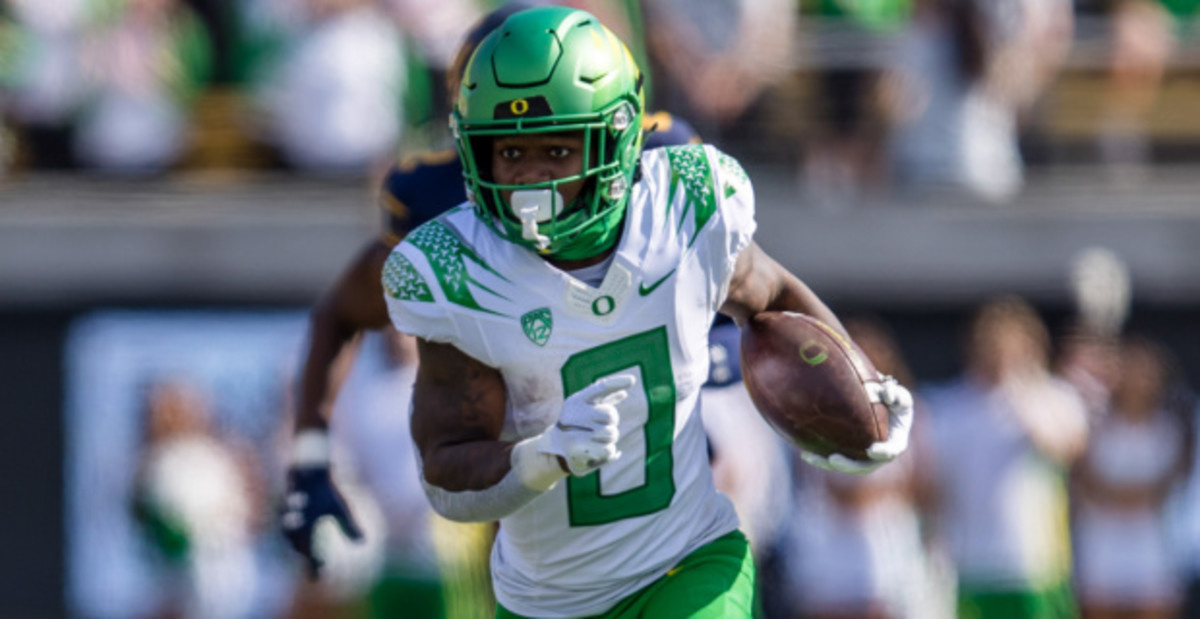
(532, 206)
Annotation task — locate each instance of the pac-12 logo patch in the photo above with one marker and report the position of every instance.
(537, 325)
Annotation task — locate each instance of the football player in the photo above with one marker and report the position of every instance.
(562, 317)
(414, 191)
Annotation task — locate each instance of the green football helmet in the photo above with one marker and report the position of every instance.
(550, 70)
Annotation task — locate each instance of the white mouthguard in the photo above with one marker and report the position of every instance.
(532, 206)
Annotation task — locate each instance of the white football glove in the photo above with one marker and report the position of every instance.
(586, 434)
(899, 402)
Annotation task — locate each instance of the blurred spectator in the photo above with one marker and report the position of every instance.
(331, 99)
(1143, 39)
(143, 67)
(1089, 360)
(970, 69)
(194, 500)
(44, 73)
(10, 49)
(261, 31)
(1187, 525)
(749, 460)
(438, 27)
(856, 548)
(1138, 452)
(434, 30)
(1004, 433)
(846, 156)
(713, 60)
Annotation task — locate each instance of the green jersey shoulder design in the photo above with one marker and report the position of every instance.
(700, 179)
(448, 256)
(691, 172)
(402, 281)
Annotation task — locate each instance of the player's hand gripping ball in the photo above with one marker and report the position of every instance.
(814, 387)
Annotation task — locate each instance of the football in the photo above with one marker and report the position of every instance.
(808, 382)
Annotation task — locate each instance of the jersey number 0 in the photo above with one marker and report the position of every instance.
(650, 352)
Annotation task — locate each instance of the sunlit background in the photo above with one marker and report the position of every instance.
(1003, 196)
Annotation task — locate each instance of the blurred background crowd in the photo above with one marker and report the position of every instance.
(864, 96)
(1054, 449)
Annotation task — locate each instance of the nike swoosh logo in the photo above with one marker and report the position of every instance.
(644, 290)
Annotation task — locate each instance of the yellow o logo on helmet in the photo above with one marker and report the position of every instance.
(519, 107)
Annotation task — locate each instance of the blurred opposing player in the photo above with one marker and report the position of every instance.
(750, 461)
(563, 317)
(414, 191)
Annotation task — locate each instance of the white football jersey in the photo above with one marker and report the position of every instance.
(591, 541)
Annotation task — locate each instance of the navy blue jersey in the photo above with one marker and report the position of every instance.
(724, 350)
(420, 188)
(663, 129)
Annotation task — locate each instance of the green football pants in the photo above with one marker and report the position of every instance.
(1054, 602)
(716, 581)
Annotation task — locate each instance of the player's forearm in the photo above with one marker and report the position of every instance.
(325, 359)
(475, 465)
(487, 505)
(487, 480)
(354, 304)
(457, 437)
(458, 415)
(762, 285)
(471, 459)
(789, 294)
(795, 296)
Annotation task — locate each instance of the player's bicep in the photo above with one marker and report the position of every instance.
(457, 416)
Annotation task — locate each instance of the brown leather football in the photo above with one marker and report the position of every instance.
(807, 381)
